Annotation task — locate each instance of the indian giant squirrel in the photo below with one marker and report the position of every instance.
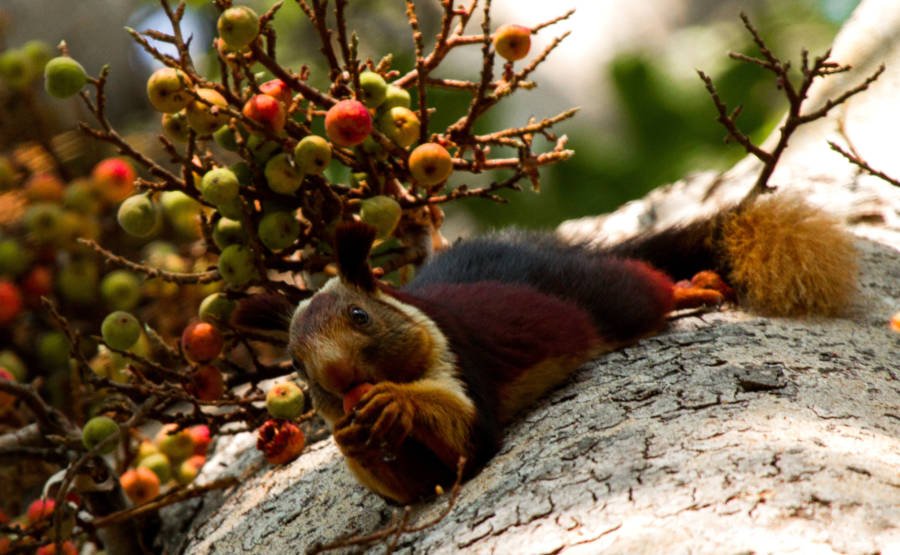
(491, 324)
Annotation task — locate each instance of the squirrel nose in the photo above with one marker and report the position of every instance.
(337, 377)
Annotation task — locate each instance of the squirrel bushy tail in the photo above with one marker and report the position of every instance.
(782, 256)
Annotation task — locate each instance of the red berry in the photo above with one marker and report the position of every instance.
(201, 437)
(10, 302)
(115, 178)
(277, 89)
(201, 341)
(352, 397)
(348, 123)
(266, 110)
(38, 282)
(40, 509)
(207, 383)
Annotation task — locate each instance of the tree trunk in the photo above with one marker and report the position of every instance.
(727, 433)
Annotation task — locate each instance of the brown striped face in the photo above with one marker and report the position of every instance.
(343, 336)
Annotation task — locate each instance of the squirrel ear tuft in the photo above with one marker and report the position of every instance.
(353, 241)
(266, 313)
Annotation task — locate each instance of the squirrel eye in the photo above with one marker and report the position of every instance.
(359, 316)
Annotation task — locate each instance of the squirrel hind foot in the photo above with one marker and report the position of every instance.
(788, 258)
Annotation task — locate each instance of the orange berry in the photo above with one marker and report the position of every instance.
(430, 164)
(140, 484)
(512, 41)
(201, 341)
(352, 397)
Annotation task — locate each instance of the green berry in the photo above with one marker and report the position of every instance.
(236, 265)
(53, 350)
(285, 400)
(120, 330)
(14, 259)
(97, 430)
(278, 230)
(64, 77)
(238, 26)
(168, 90)
(228, 232)
(381, 212)
(312, 154)
(374, 89)
(219, 186)
(395, 96)
(216, 308)
(121, 290)
(159, 464)
(14, 69)
(44, 222)
(138, 215)
(282, 176)
(175, 126)
(77, 282)
(14, 364)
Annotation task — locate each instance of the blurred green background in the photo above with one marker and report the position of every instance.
(646, 119)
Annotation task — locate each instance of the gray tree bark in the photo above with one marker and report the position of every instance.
(727, 433)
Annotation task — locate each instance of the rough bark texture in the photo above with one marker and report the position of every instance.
(727, 433)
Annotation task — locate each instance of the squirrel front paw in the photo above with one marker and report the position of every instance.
(381, 421)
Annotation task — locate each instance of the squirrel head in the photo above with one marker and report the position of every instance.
(353, 331)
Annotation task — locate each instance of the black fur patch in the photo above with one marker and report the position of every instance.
(353, 241)
(266, 312)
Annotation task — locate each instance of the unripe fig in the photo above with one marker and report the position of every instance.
(401, 125)
(44, 222)
(189, 469)
(159, 464)
(120, 330)
(175, 445)
(430, 164)
(285, 400)
(395, 96)
(348, 123)
(512, 41)
(216, 308)
(381, 212)
(206, 116)
(97, 430)
(278, 230)
(77, 282)
(64, 77)
(374, 89)
(53, 351)
(282, 176)
(237, 27)
(14, 70)
(169, 90)
(121, 290)
(312, 155)
(228, 232)
(138, 216)
(219, 186)
(175, 126)
(14, 259)
(236, 265)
